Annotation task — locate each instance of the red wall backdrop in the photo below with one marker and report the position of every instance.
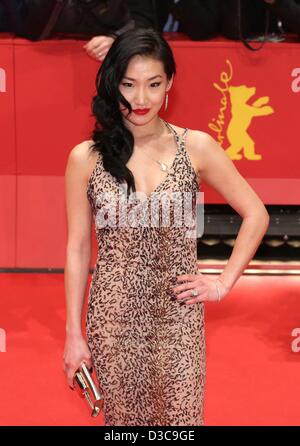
(245, 100)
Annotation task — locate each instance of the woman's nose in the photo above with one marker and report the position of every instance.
(140, 97)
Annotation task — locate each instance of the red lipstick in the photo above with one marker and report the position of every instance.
(141, 111)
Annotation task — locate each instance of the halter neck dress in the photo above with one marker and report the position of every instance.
(147, 349)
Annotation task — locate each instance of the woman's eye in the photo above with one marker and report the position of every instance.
(128, 84)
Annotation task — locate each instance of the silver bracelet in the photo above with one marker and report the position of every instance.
(218, 291)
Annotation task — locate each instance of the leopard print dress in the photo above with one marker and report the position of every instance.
(148, 350)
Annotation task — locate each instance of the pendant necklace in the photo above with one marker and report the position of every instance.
(163, 166)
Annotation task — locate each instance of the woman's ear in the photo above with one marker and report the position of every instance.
(170, 83)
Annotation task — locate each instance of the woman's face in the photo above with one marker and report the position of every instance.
(144, 86)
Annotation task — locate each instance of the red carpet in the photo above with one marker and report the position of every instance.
(252, 372)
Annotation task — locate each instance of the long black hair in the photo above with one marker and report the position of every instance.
(111, 137)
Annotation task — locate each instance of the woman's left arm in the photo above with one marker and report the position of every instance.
(217, 170)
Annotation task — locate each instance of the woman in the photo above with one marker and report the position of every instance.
(145, 318)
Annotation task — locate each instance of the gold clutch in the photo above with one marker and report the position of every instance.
(84, 384)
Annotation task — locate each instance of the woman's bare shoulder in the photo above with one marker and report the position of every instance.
(81, 151)
(81, 157)
(196, 142)
(195, 136)
(200, 139)
(205, 149)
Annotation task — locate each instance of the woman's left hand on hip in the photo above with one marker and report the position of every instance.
(206, 286)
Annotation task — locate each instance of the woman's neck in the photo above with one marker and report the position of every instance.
(150, 131)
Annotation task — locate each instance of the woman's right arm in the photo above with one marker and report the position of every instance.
(78, 255)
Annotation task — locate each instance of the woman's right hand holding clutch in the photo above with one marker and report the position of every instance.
(76, 352)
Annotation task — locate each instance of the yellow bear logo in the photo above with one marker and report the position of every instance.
(242, 114)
